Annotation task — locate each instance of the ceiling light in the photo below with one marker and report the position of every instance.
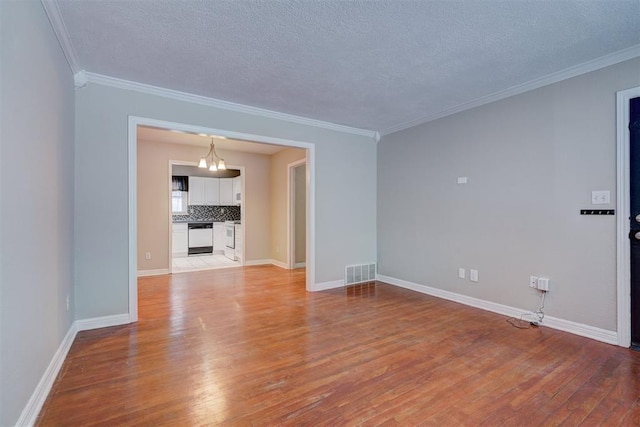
(203, 134)
(216, 163)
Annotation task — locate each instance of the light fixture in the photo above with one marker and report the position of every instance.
(217, 164)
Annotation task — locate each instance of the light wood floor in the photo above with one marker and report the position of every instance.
(248, 346)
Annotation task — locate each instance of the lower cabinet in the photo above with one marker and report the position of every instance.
(219, 237)
(180, 240)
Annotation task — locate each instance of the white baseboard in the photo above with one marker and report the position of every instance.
(327, 285)
(34, 405)
(257, 262)
(266, 262)
(300, 265)
(37, 399)
(102, 322)
(280, 264)
(610, 337)
(158, 272)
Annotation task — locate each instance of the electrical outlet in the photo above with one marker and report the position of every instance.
(147, 255)
(533, 282)
(67, 302)
(473, 275)
(461, 273)
(543, 284)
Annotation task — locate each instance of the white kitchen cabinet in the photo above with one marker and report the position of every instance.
(180, 239)
(196, 190)
(204, 191)
(237, 190)
(219, 236)
(211, 191)
(226, 192)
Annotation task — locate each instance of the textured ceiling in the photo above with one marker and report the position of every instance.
(372, 65)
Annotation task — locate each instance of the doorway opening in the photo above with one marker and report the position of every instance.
(297, 196)
(205, 217)
(136, 122)
(624, 218)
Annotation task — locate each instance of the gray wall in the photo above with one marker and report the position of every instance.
(36, 177)
(532, 161)
(345, 189)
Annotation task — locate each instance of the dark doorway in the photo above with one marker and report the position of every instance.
(634, 218)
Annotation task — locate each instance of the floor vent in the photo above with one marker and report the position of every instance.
(359, 273)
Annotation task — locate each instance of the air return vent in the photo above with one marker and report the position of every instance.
(359, 273)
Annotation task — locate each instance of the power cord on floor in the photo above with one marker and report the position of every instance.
(536, 316)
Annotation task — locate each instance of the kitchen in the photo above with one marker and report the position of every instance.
(259, 200)
(206, 215)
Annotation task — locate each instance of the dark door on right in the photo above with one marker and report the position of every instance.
(634, 218)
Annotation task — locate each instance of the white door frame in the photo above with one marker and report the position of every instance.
(291, 223)
(623, 263)
(132, 168)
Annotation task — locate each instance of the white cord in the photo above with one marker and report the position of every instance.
(536, 315)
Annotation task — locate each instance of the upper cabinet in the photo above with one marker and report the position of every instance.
(204, 191)
(196, 190)
(226, 191)
(237, 190)
(211, 191)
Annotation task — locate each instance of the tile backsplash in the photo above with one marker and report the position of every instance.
(210, 213)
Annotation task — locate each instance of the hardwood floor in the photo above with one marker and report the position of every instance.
(248, 346)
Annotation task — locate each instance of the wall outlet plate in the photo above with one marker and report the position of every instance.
(473, 275)
(533, 282)
(461, 273)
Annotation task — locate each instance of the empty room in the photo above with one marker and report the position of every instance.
(323, 212)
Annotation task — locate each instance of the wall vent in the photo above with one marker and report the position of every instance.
(359, 273)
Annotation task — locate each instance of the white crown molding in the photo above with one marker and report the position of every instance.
(610, 337)
(586, 67)
(80, 79)
(225, 105)
(60, 30)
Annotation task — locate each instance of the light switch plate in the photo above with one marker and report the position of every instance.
(473, 275)
(601, 197)
(462, 180)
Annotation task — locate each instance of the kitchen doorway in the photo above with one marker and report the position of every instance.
(135, 122)
(203, 232)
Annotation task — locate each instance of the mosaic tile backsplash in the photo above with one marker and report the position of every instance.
(210, 213)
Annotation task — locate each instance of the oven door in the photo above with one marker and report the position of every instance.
(231, 237)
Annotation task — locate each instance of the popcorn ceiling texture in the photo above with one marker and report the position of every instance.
(367, 64)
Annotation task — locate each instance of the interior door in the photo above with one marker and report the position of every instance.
(634, 218)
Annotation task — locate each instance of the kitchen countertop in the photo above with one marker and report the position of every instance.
(183, 221)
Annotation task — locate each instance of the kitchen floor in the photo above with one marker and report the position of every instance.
(202, 262)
